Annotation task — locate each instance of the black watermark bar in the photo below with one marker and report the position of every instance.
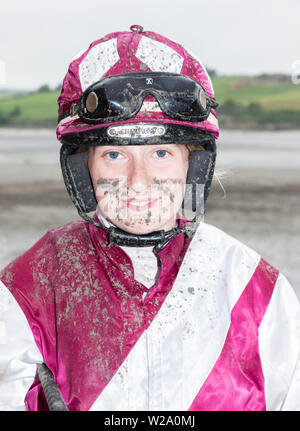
(159, 420)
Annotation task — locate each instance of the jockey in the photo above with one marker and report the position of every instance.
(141, 305)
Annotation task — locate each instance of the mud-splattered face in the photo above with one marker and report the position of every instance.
(139, 188)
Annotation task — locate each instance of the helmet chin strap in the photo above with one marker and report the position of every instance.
(157, 239)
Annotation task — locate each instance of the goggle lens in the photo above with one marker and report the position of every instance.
(120, 97)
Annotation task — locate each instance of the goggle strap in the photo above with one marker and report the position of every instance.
(72, 112)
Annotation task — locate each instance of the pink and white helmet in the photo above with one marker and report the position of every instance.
(87, 115)
(126, 52)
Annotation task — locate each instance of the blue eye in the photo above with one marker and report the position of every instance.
(161, 153)
(113, 154)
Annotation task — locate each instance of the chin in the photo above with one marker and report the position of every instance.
(143, 228)
(138, 230)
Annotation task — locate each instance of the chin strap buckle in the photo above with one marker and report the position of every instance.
(120, 237)
(158, 239)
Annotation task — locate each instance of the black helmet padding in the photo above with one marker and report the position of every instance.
(79, 185)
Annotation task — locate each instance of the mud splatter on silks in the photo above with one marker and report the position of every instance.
(84, 306)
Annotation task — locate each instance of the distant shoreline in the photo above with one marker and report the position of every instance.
(256, 126)
(230, 125)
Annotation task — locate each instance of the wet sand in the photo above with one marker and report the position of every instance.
(260, 172)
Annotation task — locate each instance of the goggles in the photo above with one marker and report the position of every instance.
(120, 97)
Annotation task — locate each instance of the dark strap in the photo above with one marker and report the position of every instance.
(158, 239)
(72, 112)
(53, 396)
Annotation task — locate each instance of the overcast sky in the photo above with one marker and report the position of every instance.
(38, 38)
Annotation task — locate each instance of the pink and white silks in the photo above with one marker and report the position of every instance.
(219, 330)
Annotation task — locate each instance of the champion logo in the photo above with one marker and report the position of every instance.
(149, 81)
(136, 131)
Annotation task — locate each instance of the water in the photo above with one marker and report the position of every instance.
(276, 149)
(258, 201)
(235, 148)
(34, 147)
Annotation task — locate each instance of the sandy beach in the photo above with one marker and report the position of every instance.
(260, 172)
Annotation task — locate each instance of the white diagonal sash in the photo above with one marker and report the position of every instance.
(171, 360)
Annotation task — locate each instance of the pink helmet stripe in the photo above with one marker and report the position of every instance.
(125, 52)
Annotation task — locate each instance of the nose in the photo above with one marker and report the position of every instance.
(138, 180)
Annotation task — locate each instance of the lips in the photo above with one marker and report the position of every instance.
(139, 205)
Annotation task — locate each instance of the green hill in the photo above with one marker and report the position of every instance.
(265, 101)
(31, 109)
(263, 89)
